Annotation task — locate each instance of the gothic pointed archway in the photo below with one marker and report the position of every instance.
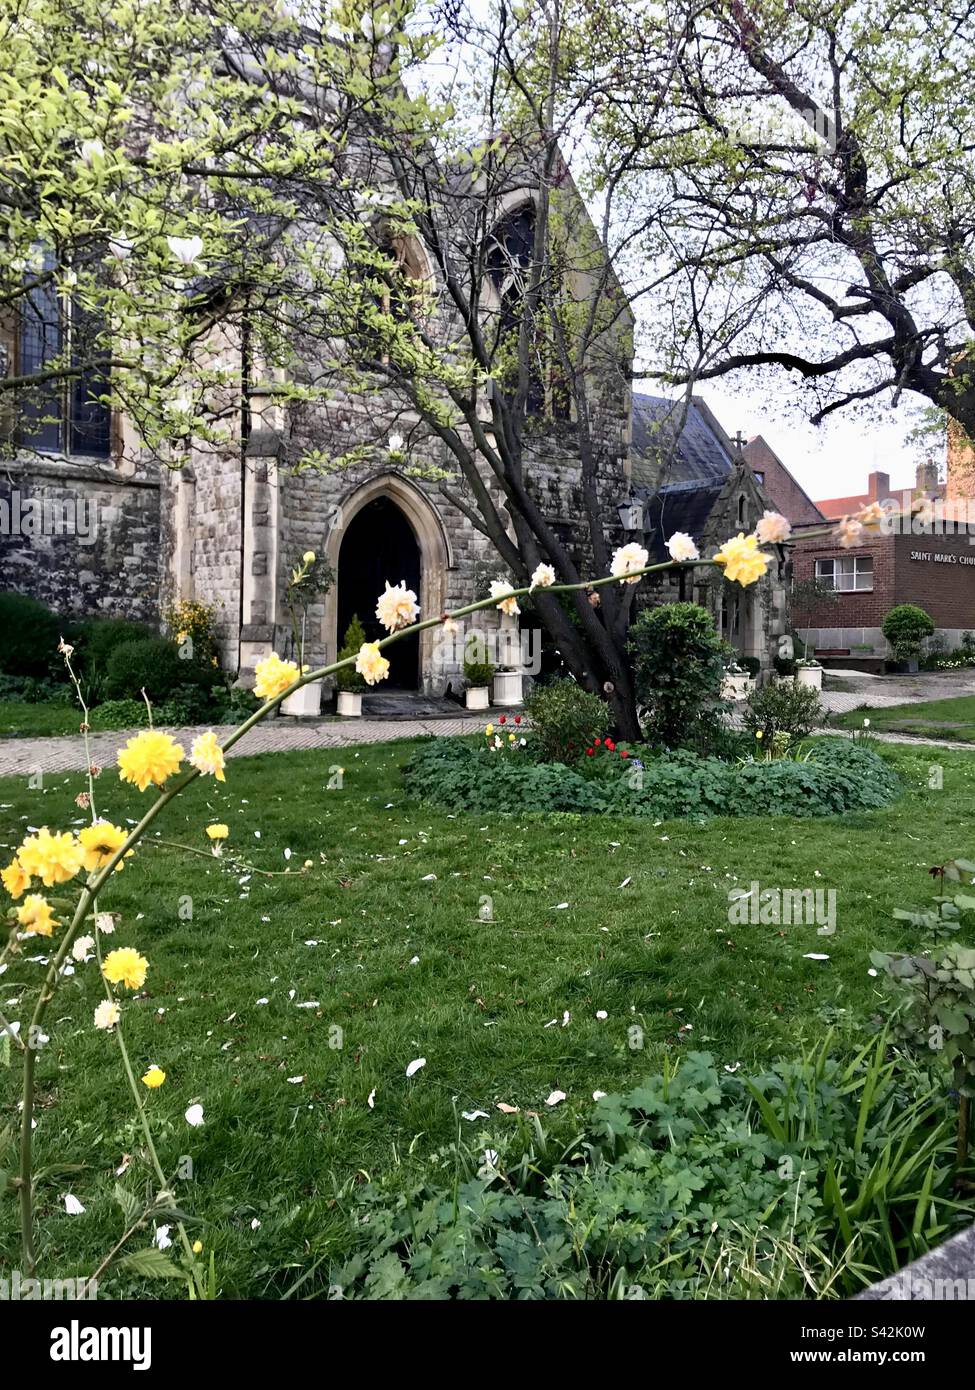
(387, 529)
(379, 546)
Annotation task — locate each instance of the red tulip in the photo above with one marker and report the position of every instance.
(624, 753)
(517, 718)
(596, 742)
(503, 719)
(589, 752)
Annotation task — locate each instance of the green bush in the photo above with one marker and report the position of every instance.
(679, 666)
(787, 709)
(837, 775)
(35, 690)
(348, 678)
(153, 664)
(478, 673)
(565, 719)
(696, 1184)
(95, 639)
(905, 627)
(119, 714)
(29, 636)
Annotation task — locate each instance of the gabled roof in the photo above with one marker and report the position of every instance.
(702, 453)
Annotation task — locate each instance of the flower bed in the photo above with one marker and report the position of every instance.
(835, 775)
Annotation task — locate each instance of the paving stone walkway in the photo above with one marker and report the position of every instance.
(22, 756)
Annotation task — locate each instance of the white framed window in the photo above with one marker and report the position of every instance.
(846, 573)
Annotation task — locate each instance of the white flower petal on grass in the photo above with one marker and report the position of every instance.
(555, 1098)
(598, 1095)
(161, 1238)
(416, 1066)
(194, 1115)
(295, 1080)
(255, 1224)
(627, 881)
(428, 878)
(560, 906)
(415, 960)
(506, 1109)
(71, 1205)
(814, 955)
(601, 1013)
(474, 1114)
(371, 1099)
(566, 1017)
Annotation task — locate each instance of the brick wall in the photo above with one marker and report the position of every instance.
(784, 493)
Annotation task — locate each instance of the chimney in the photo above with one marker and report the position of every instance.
(926, 477)
(878, 487)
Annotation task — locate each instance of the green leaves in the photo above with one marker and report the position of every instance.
(150, 1264)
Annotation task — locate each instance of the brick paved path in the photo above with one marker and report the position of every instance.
(18, 756)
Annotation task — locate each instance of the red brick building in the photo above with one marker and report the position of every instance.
(928, 562)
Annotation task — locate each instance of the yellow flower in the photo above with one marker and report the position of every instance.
(15, 878)
(309, 557)
(107, 1014)
(125, 966)
(51, 858)
(217, 832)
(273, 676)
(99, 842)
(154, 1077)
(36, 917)
(371, 664)
(488, 730)
(198, 1247)
(759, 734)
(206, 755)
(149, 758)
(743, 561)
(397, 607)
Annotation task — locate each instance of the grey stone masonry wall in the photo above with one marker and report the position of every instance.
(80, 536)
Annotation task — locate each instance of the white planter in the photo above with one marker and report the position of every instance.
(508, 688)
(350, 704)
(810, 675)
(736, 687)
(305, 703)
(477, 697)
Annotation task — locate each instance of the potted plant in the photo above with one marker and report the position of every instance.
(509, 676)
(736, 681)
(809, 672)
(478, 676)
(348, 681)
(785, 668)
(905, 628)
(310, 577)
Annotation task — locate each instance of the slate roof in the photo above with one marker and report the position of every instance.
(679, 507)
(701, 455)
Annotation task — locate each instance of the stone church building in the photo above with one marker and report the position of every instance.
(91, 525)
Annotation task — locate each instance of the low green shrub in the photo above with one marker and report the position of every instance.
(836, 775)
(785, 708)
(478, 674)
(811, 1179)
(155, 665)
(679, 663)
(565, 719)
(35, 690)
(29, 636)
(119, 714)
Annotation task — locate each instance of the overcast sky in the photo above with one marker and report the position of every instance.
(831, 460)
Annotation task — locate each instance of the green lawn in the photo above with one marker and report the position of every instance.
(406, 967)
(952, 719)
(18, 719)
